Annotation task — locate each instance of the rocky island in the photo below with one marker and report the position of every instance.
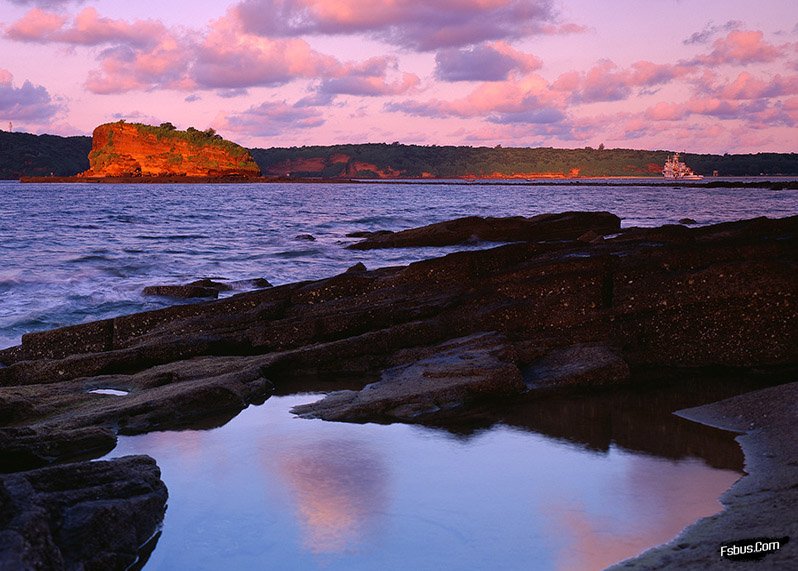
(573, 302)
(133, 150)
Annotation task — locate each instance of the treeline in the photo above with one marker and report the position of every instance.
(453, 162)
(23, 154)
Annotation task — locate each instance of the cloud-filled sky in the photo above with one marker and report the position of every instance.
(712, 76)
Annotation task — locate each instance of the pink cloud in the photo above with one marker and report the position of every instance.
(485, 62)
(88, 29)
(710, 30)
(746, 86)
(664, 111)
(742, 47)
(36, 26)
(417, 24)
(46, 3)
(607, 82)
(124, 68)
(369, 78)
(525, 100)
(269, 119)
(31, 103)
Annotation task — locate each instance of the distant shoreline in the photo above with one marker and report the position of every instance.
(766, 182)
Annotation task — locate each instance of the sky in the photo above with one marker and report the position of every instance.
(715, 76)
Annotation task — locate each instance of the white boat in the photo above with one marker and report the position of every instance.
(674, 168)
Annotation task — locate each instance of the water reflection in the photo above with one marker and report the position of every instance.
(601, 535)
(339, 486)
(268, 490)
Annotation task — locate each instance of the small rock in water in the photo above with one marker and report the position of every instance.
(305, 237)
(687, 221)
(358, 267)
(181, 291)
(210, 283)
(260, 283)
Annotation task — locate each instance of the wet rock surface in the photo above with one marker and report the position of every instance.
(442, 378)
(565, 226)
(90, 515)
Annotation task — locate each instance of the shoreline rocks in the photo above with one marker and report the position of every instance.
(544, 227)
(442, 378)
(760, 505)
(89, 515)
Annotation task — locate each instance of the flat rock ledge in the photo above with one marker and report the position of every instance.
(762, 505)
(562, 226)
(568, 312)
(86, 516)
(440, 379)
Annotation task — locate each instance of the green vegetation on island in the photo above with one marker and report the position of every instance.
(24, 154)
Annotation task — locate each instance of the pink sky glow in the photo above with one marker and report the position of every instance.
(714, 76)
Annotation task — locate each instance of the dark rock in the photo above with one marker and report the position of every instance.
(358, 267)
(211, 284)
(89, 515)
(260, 283)
(673, 296)
(181, 291)
(590, 236)
(582, 364)
(453, 374)
(565, 226)
(367, 234)
(687, 221)
(62, 419)
(305, 237)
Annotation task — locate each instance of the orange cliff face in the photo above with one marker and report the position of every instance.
(132, 149)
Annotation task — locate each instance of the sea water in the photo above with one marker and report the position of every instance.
(71, 253)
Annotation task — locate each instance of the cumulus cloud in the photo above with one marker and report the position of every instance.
(145, 55)
(415, 24)
(527, 99)
(88, 28)
(710, 31)
(607, 82)
(228, 57)
(28, 102)
(369, 78)
(742, 47)
(271, 118)
(485, 62)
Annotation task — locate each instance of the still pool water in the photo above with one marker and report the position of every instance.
(272, 491)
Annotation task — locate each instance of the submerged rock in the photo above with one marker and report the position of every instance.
(205, 287)
(565, 226)
(186, 291)
(89, 515)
